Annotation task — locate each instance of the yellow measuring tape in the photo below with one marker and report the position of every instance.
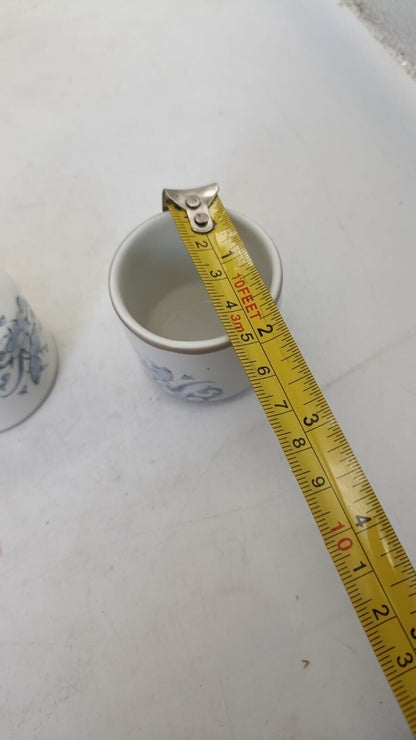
(370, 560)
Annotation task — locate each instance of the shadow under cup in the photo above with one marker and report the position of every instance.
(171, 323)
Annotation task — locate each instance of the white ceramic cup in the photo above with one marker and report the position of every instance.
(28, 357)
(163, 304)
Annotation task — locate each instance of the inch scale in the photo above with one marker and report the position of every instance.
(372, 564)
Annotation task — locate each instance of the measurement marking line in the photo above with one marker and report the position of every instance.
(387, 650)
(310, 429)
(408, 670)
(362, 575)
(367, 601)
(408, 702)
(338, 477)
(357, 500)
(340, 446)
(288, 357)
(366, 529)
(388, 552)
(397, 583)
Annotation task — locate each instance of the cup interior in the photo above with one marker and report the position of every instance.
(158, 294)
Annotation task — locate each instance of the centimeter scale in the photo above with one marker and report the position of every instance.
(370, 560)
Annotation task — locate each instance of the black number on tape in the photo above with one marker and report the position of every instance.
(384, 611)
(405, 660)
(312, 420)
(300, 442)
(267, 330)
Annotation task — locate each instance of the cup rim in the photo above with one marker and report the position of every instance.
(199, 346)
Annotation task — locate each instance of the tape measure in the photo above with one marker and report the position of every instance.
(367, 553)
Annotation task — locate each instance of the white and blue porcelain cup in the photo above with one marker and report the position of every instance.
(28, 357)
(161, 301)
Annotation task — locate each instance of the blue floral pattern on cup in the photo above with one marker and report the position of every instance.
(21, 352)
(184, 387)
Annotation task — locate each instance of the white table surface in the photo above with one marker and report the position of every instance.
(162, 577)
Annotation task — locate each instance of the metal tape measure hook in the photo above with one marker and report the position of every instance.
(196, 202)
